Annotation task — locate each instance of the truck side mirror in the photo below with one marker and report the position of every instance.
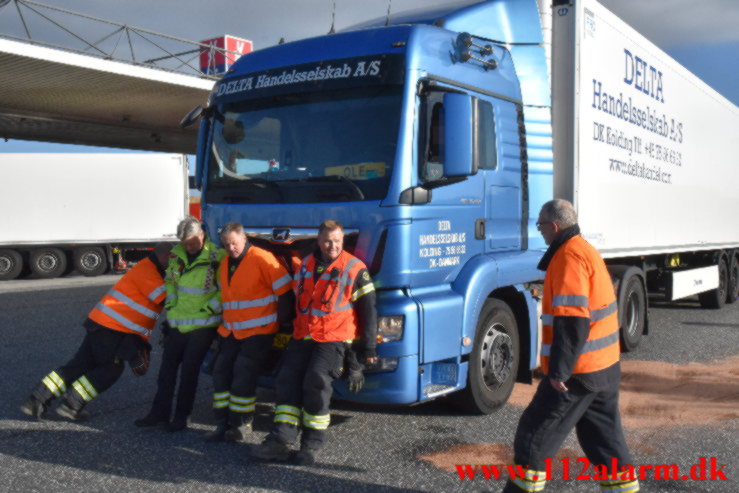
(458, 135)
(201, 153)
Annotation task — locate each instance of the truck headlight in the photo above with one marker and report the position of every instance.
(390, 328)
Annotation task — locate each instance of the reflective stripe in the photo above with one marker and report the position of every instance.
(626, 486)
(155, 294)
(570, 300)
(284, 418)
(601, 313)
(132, 304)
(547, 319)
(243, 400)
(240, 305)
(54, 383)
(241, 409)
(287, 414)
(281, 282)
(221, 395)
(88, 386)
(220, 404)
(344, 282)
(123, 320)
(189, 290)
(195, 321)
(287, 409)
(254, 322)
(320, 313)
(85, 389)
(215, 305)
(362, 291)
(170, 298)
(325, 276)
(590, 346)
(317, 422)
(531, 481)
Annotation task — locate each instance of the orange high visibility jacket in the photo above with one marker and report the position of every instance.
(324, 306)
(250, 297)
(577, 284)
(134, 303)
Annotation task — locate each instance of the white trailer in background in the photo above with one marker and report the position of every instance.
(649, 155)
(86, 210)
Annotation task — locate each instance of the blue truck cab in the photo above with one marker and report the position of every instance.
(429, 139)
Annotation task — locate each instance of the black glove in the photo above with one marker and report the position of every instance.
(140, 364)
(355, 380)
(369, 352)
(164, 330)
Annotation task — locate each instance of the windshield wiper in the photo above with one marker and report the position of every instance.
(337, 179)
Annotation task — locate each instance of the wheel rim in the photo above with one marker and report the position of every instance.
(633, 307)
(48, 262)
(5, 265)
(90, 261)
(497, 356)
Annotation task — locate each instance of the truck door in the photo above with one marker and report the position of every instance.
(499, 162)
(445, 228)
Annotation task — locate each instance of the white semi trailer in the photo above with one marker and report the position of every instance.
(86, 211)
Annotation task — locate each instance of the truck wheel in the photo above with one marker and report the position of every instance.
(632, 308)
(733, 291)
(493, 362)
(11, 264)
(716, 298)
(48, 262)
(90, 261)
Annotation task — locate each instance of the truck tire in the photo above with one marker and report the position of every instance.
(48, 262)
(733, 292)
(90, 261)
(716, 298)
(493, 361)
(632, 309)
(11, 264)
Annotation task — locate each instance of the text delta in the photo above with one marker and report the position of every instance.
(643, 76)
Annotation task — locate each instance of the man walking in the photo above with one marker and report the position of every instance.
(580, 359)
(257, 297)
(118, 329)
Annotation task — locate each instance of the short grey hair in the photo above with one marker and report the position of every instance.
(232, 227)
(188, 228)
(561, 212)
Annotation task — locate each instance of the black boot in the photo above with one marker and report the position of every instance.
(38, 402)
(72, 408)
(306, 456)
(240, 427)
(271, 449)
(177, 424)
(217, 435)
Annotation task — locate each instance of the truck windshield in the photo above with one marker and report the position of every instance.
(330, 146)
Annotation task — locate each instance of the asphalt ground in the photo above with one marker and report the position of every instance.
(370, 448)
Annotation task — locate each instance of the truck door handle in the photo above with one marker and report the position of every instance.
(479, 229)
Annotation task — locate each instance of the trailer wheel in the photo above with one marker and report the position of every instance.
(90, 261)
(48, 262)
(11, 264)
(493, 362)
(632, 307)
(716, 298)
(733, 291)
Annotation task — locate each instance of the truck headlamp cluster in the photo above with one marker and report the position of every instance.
(390, 328)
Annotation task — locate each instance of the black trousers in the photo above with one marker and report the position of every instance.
(238, 365)
(184, 352)
(551, 416)
(304, 383)
(93, 369)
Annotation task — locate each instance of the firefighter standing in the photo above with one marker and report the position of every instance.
(580, 358)
(256, 292)
(335, 303)
(118, 329)
(193, 313)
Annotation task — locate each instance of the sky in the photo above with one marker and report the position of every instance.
(701, 35)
